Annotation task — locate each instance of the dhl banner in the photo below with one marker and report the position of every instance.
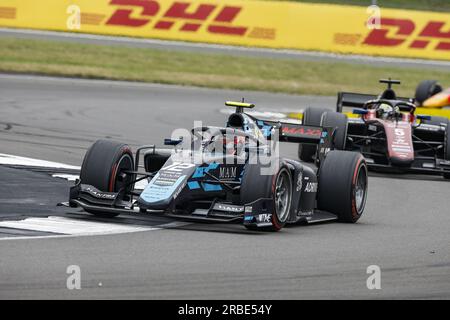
(272, 24)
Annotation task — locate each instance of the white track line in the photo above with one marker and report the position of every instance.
(63, 226)
(68, 227)
(68, 177)
(7, 159)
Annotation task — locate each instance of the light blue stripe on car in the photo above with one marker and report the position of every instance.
(155, 193)
(193, 185)
(200, 171)
(211, 187)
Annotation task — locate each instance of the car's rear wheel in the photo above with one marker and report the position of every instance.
(103, 168)
(426, 89)
(343, 185)
(311, 117)
(277, 186)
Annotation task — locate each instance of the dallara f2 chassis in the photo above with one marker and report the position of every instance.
(387, 131)
(229, 174)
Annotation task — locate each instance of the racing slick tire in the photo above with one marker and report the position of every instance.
(426, 89)
(339, 122)
(343, 185)
(256, 186)
(102, 167)
(311, 117)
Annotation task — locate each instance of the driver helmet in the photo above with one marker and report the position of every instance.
(229, 144)
(384, 111)
(234, 145)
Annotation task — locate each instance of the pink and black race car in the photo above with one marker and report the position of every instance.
(386, 130)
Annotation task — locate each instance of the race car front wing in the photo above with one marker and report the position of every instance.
(91, 199)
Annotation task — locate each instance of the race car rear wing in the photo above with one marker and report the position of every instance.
(322, 136)
(298, 133)
(294, 132)
(301, 133)
(357, 100)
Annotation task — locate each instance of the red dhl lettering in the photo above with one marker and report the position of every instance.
(122, 17)
(138, 13)
(403, 29)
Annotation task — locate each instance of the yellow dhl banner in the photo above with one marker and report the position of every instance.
(322, 27)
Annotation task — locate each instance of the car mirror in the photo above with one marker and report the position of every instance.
(359, 111)
(423, 117)
(172, 142)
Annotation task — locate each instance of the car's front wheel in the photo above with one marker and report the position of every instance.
(337, 121)
(277, 186)
(103, 168)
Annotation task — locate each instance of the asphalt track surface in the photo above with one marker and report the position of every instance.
(222, 49)
(404, 230)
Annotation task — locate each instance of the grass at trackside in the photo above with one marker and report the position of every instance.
(427, 5)
(204, 70)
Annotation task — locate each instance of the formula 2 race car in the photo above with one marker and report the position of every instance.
(387, 132)
(229, 174)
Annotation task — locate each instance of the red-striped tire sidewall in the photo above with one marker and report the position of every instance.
(360, 165)
(125, 150)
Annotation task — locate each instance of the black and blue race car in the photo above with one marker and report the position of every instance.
(226, 174)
